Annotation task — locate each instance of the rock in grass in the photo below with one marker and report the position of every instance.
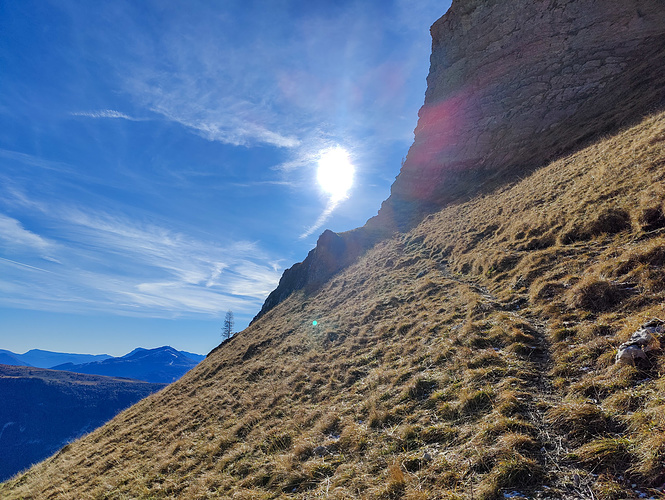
(321, 451)
(629, 354)
(641, 342)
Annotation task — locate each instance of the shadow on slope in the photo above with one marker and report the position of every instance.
(43, 410)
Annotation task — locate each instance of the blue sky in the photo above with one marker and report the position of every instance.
(158, 159)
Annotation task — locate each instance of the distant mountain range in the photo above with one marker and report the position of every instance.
(159, 365)
(9, 359)
(46, 359)
(43, 410)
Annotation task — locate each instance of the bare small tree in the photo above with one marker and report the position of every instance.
(227, 329)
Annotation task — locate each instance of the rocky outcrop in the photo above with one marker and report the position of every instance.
(332, 253)
(512, 85)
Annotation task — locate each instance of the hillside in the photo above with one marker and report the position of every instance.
(43, 410)
(462, 344)
(469, 356)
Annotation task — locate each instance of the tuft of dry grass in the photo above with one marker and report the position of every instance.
(579, 420)
(607, 454)
(597, 295)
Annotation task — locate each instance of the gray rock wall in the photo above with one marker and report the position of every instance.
(516, 83)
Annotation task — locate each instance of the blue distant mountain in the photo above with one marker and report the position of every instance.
(9, 358)
(191, 355)
(160, 365)
(48, 359)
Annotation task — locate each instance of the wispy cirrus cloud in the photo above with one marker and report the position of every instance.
(293, 75)
(328, 76)
(209, 111)
(107, 262)
(106, 113)
(252, 184)
(26, 266)
(213, 267)
(35, 161)
(14, 235)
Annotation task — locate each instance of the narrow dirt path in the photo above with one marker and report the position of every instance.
(564, 481)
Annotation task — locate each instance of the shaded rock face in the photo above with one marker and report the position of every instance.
(512, 85)
(332, 253)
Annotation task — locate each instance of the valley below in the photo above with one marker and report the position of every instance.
(44, 410)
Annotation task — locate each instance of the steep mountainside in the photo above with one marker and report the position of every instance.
(42, 410)
(159, 365)
(512, 85)
(472, 354)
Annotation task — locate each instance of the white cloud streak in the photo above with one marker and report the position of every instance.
(106, 262)
(106, 113)
(35, 161)
(26, 266)
(14, 235)
(325, 215)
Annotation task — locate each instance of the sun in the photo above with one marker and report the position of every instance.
(335, 172)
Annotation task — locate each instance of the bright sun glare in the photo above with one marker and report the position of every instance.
(335, 172)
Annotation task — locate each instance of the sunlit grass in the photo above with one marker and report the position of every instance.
(468, 357)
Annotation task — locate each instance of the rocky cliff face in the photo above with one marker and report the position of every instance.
(332, 252)
(507, 93)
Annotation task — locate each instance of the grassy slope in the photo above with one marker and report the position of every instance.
(472, 355)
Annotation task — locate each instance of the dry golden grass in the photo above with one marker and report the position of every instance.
(468, 357)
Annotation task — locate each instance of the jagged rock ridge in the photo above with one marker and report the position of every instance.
(506, 93)
(332, 253)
